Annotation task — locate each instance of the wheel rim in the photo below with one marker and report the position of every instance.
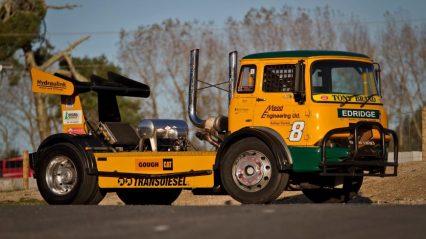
(61, 175)
(251, 171)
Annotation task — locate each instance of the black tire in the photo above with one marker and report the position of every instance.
(97, 197)
(61, 177)
(149, 196)
(244, 181)
(327, 194)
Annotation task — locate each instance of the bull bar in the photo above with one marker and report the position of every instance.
(357, 163)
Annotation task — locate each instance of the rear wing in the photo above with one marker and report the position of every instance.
(58, 84)
(73, 119)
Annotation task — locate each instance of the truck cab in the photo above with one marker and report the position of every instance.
(326, 107)
(302, 95)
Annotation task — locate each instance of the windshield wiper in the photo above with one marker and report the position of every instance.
(368, 99)
(348, 99)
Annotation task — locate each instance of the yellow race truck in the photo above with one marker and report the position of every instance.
(298, 120)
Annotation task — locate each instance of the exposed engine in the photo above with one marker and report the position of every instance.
(163, 135)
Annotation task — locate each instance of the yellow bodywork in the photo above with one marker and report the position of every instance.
(73, 121)
(299, 124)
(175, 169)
(43, 82)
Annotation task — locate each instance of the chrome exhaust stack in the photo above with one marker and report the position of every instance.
(213, 128)
(193, 87)
(233, 57)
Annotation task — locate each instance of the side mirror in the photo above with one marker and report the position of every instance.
(377, 71)
(299, 87)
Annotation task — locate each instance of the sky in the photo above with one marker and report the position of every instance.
(104, 19)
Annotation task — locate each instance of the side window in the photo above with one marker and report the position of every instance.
(317, 82)
(279, 78)
(247, 79)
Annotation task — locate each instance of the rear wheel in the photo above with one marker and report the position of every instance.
(149, 196)
(330, 194)
(97, 196)
(62, 179)
(249, 172)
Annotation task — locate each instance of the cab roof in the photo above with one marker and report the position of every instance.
(302, 53)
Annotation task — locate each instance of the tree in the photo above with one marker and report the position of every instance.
(159, 55)
(20, 27)
(402, 54)
(18, 114)
(141, 53)
(356, 38)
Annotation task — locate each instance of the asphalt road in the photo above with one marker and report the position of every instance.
(248, 221)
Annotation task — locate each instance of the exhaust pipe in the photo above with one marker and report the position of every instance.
(232, 73)
(193, 87)
(213, 125)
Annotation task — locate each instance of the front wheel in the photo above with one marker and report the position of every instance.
(249, 172)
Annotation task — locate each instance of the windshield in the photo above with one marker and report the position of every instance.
(343, 78)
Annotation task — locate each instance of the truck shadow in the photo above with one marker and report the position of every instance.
(301, 199)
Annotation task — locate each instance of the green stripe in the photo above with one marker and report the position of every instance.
(308, 159)
(284, 54)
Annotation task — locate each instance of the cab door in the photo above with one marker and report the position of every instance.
(275, 106)
(243, 102)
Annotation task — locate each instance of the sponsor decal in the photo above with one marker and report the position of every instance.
(276, 112)
(347, 98)
(78, 130)
(167, 164)
(152, 182)
(360, 98)
(72, 117)
(57, 85)
(355, 113)
(367, 142)
(147, 164)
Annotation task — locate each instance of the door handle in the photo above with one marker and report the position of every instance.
(260, 99)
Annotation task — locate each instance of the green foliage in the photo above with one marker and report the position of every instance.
(19, 25)
(129, 110)
(88, 66)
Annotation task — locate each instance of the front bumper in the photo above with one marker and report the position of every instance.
(362, 162)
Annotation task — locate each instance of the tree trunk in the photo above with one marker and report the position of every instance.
(42, 116)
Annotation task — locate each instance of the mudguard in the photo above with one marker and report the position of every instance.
(80, 141)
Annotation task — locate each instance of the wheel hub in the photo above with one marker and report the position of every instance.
(251, 171)
(61, 175)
